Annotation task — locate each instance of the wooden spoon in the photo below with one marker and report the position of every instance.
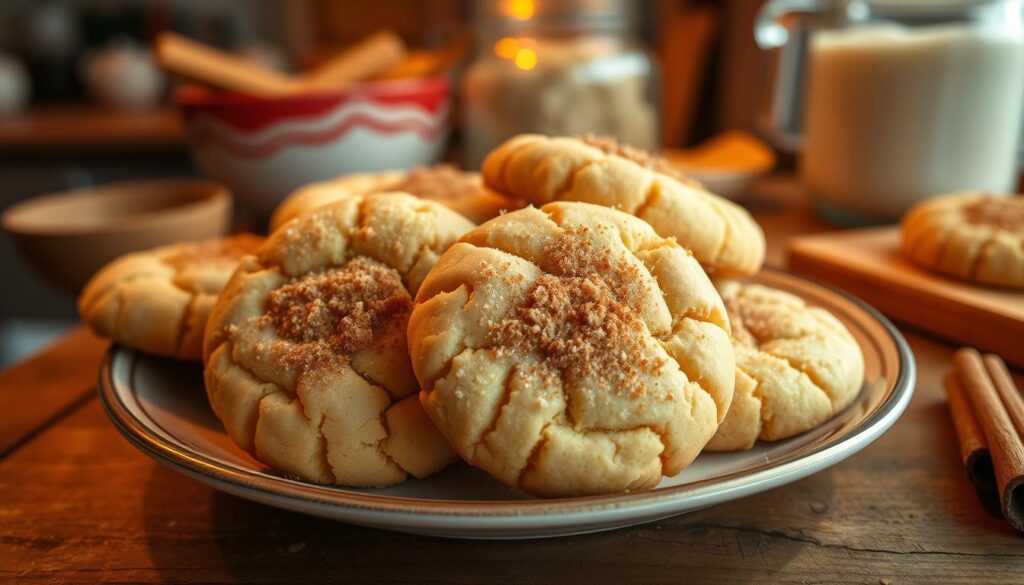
(204, 64)
(207, 65)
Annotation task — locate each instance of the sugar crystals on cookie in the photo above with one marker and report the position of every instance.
(723, 236)
(970, 235)
(158, 300)
(307, 364)
(461, 191)
(570, 350)
(796, 366)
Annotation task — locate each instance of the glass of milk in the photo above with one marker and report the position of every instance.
(903, 100)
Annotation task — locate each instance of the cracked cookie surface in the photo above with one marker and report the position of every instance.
(796, 366)
(306, 358)
(461, 191)
(974, 236)
(570, 350)
(158, 300)
(723, 237)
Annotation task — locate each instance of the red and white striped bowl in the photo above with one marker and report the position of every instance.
(264, 148)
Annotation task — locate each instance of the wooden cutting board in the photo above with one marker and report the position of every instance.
(867, 263)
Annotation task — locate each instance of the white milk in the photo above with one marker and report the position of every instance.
(895, 115)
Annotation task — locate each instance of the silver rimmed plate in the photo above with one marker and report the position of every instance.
(160, 406)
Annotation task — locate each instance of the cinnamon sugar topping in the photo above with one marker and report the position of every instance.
(582, 322)
(333, 313)
(741, 335)
(438, 183)
(226, 251)
(639, 156)
(574, 254)
(1007, 214)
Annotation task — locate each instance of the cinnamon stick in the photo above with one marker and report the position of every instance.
(1003, 439)
(1008, 391)
(973, 446)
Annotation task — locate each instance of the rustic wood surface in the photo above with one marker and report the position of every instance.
(79, 505)
(46, 385)
(867, 263)
(90, 129)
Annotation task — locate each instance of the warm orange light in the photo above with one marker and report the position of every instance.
(506, 48)
(526, 59)
(520, 9)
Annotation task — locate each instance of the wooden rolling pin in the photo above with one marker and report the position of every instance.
(204, 64)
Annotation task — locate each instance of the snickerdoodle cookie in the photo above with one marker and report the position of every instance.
(158, 300)
(570, 350)
(459, 190)
(971, 235)
(306, 357)
(723, 237)
(796, 366)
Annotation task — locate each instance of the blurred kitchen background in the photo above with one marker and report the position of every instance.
(81, 102)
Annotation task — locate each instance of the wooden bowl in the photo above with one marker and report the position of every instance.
(68, 236)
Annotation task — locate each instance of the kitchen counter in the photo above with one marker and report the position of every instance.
(88, 129)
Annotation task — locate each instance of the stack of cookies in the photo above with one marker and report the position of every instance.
(592, 342)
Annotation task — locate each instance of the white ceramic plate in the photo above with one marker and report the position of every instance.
(160, 406)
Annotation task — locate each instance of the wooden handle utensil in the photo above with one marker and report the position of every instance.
(424, 62)
(209, 66)
(369, 57)
(204, 64)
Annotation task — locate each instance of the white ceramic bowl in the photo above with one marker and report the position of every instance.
(264, 148)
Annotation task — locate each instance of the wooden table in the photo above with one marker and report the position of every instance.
(79, 505)
(90, 128)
